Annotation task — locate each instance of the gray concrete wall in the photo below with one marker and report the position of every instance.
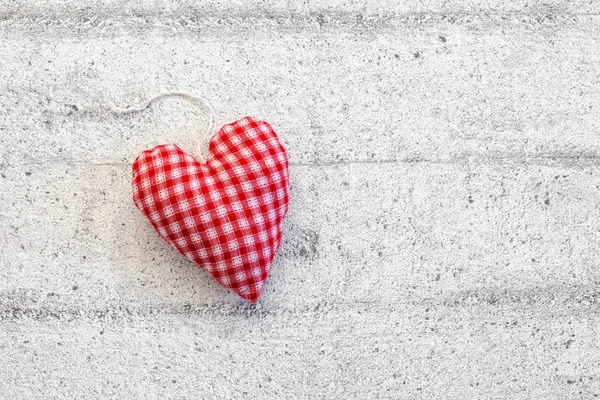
(443, 239)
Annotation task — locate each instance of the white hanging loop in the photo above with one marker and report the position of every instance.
(211, 114)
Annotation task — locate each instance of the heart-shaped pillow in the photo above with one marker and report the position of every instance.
(226, 215)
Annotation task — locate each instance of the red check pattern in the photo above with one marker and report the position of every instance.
(225, 215)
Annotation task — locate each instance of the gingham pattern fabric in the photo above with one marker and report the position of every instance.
(225, 215)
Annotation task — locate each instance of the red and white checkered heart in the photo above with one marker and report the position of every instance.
(225, 215)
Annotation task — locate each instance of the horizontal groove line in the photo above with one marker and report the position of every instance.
(201, 18)
(584, 161)
(22, 303)
(213, 13)
(13, 312)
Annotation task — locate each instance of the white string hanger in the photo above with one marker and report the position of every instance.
(208, 110)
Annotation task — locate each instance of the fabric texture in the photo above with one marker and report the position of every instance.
(225, 215)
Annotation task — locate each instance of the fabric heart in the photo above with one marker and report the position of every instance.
(226, 215)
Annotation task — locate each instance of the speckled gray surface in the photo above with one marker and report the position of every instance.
(443, 239)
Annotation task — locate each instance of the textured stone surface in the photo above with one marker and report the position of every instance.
(443, 239)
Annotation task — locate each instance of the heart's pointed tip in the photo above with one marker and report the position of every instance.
(251, 297)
